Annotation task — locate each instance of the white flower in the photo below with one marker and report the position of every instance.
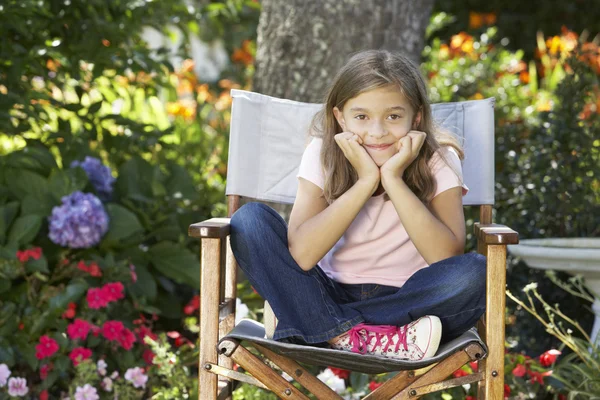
(87, 392)
(114, 375)
(331, 380)
(241, 310)
(4, 374)
(107, 384)
(137, 377)
(101, 366)
(17, 387)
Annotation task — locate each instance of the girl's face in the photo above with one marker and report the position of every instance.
(380, 117)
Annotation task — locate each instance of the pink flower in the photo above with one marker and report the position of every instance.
(17, 387)
(144, 331)
(114, 291)
(97, 298)
(549, 357)
(126, 339)
(43, 395)
(46, 348)
(79, 354)
(136, 377)
(112, 330)
(4, 374)
(86, 392)
(78, 329)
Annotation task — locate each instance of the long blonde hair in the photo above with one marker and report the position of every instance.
(367, 70)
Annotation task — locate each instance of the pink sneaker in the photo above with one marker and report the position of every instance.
(418, 340)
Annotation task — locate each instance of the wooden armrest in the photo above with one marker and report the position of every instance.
(215, 228)
(496, 234)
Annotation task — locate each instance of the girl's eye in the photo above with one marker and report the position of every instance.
(396, 116)
(360, 117)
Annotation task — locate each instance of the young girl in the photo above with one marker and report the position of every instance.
(372, 260)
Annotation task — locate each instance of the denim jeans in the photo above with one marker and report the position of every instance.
(312, 308)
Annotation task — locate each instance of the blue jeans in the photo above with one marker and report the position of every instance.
(312, 308)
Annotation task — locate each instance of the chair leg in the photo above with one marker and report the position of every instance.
(260, 371)
(492, 386)
(209, 317)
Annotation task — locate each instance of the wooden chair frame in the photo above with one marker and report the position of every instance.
(218, 270)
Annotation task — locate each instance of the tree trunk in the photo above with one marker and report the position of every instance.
(302, 43)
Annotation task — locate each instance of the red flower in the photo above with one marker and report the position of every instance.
(148, 356)
(474, 366)
(340, 373)
(549, 357)
(82, 266)
(79, 354)
(97, 298)
(21, 326)
(25, 255)
(538, 376)
(46, 348)
(126, 339)
(43, 395)
(114, 291)
(469, 398)
(374, 385)
(70, 312)
(519, 371)
(506, 391)
(45, 370)
(96, 331)
(460, 372)
(112, 330)
(95, 270)
(78, 329)
(144, 331)
(192, 306)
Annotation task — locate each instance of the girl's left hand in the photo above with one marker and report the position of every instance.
(408, 149)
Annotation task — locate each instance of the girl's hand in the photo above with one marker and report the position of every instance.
(351, 145)
(408, 149)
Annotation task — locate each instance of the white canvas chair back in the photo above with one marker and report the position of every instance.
(268, 136)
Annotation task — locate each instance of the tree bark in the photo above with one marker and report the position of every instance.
(302, 43)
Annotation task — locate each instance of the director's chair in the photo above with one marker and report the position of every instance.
(267, 139)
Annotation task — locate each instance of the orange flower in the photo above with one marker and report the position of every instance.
(544, 105)
(243, 55)
(477, 20)
(524, 77)
(444, 51)
(204, 93)
(187, 66)
(105, 42)
(461, 43)
(52, 65)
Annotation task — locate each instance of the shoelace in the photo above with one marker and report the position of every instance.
(360, 342)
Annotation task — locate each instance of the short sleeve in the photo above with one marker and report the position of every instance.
(310, 166)
(447, 173)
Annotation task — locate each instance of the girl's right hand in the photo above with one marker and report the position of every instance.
(351, 145)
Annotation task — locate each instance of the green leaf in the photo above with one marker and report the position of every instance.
(5, 285)
(136, 179)
(25, 229)
(40, 265)
(33, 206)
(123, 224)
(24, 182)
(94, 108)
(8, 212)
(34, 158)
(66, 181)
(145, 284)
(176, 262)
(181, 182)
(72, 293)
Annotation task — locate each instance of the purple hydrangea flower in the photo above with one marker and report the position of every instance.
(98, 174)
(80, 222)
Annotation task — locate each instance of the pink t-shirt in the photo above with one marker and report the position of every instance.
(376, 248)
